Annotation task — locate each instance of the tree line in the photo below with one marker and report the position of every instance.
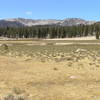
(50, 31)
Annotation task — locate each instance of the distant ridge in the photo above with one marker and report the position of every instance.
(18, 22)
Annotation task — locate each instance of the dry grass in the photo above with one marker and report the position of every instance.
(50, 72)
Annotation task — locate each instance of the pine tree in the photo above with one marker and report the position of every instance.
(97, 35)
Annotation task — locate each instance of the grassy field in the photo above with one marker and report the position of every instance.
(31, 71)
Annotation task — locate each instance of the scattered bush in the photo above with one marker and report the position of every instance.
(55, 69)
(9, 97)
(14, 97)
(18, 91)
(4, 46)
(50, 43)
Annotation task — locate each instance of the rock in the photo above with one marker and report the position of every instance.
(81, 50)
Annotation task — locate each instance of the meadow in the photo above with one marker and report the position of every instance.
(43, 70)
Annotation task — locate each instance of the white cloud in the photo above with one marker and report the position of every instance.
(28, 12)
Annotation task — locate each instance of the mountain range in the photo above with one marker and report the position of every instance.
(19, 22)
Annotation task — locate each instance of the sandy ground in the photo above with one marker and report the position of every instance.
(67, 80)
(77, 43)
(76, 38)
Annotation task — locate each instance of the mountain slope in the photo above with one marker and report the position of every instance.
(18, 22)
(75, 21)
(4, 23)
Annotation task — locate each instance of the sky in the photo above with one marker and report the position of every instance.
(50, 9)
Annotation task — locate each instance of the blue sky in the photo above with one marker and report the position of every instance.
(50, 9)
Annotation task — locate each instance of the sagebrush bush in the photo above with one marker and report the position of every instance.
(4, 46)
(9, 97)
(14, 97)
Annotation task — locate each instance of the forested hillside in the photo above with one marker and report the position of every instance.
(50, 31)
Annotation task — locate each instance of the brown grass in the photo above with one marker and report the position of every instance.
(77, 77)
